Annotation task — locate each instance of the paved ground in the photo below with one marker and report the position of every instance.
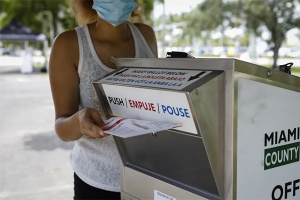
(34, 162)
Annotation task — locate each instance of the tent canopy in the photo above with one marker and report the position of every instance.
(15, 30)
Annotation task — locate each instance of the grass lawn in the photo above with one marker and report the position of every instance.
(296, 71)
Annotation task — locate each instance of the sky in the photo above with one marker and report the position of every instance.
(175, 7)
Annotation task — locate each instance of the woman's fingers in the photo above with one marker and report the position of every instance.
(88, 128)
(90, 123)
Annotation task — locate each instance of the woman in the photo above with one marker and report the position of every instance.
(78, 58)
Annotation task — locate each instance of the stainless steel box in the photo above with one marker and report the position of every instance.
(240, 137)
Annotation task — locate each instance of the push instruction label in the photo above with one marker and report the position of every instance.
(150, 104)
(159, 78)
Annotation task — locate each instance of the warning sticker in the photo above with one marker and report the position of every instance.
(159, 78)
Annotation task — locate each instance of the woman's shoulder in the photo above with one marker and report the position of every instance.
(67, 37)
(149, 35)
(65, 50)
(66, 42)
(144, 28)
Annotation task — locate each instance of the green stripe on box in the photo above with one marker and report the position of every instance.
(281, 155)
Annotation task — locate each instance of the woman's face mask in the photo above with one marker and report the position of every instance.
(114, 12)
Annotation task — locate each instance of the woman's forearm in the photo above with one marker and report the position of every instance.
(68, 128)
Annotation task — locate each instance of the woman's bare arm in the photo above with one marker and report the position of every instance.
(70, 123)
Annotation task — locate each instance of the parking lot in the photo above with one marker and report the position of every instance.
(34, 162)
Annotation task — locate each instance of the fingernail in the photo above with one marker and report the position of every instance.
(101, 133)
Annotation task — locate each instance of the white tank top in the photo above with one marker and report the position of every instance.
(97, 161)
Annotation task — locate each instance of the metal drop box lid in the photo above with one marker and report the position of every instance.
(240, 137)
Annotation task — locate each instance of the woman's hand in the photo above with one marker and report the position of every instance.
(90, 123)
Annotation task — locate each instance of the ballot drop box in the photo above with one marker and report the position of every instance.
(239, 137)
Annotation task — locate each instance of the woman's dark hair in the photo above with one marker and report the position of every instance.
(83, 11)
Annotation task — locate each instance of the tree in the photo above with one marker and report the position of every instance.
(209, 16)
(32, 13)
(256, 16)
(277, 16)
(144, 11)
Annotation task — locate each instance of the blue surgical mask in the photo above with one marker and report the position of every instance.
(114, 12)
